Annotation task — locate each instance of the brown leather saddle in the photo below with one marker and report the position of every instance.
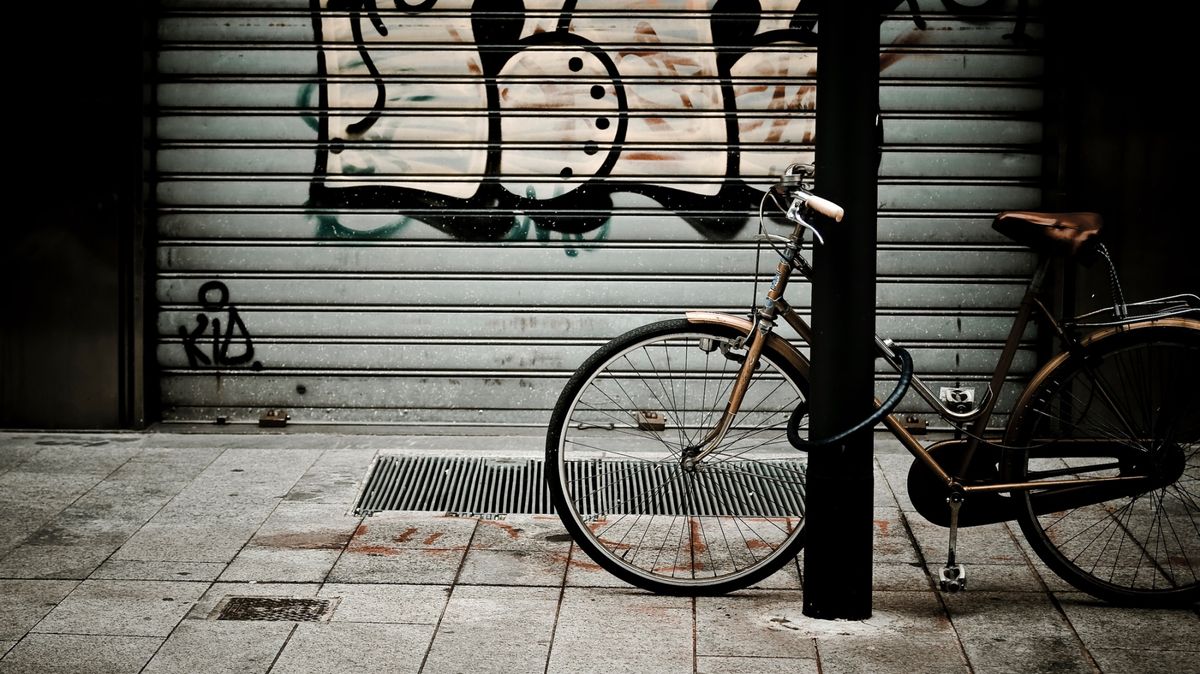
(1058, 234)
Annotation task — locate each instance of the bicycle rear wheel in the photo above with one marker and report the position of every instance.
(1126, 406)
(615, 471)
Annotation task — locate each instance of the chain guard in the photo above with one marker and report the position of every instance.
(928, 493)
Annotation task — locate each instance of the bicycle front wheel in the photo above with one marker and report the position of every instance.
(1127, 406)
(615, 469)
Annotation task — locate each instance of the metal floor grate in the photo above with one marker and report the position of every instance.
(275, 608)
(488, 487)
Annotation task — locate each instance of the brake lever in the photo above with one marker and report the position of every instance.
(793, 214)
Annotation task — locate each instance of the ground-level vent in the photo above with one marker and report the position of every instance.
(480, 486)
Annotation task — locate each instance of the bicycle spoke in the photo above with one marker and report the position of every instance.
(731, 517)
(1124, 405)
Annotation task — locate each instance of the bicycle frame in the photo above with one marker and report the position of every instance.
(774, 306)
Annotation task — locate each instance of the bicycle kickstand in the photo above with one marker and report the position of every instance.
(953, 577)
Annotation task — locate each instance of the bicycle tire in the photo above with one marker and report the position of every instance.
(1126, 404)
(621, 489)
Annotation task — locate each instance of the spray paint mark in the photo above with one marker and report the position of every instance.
(208, 344)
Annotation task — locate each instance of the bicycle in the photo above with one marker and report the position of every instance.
(676, 453)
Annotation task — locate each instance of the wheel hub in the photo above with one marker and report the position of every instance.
(1163, 466)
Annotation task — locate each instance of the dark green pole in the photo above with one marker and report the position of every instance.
(837, 554)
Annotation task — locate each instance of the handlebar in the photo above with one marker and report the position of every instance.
(824, 207)
(791, 185)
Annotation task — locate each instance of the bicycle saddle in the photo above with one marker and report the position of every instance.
(1060, 234)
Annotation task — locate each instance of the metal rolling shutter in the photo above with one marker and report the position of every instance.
(436, 225)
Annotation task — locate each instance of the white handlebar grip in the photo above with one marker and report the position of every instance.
(826, 207)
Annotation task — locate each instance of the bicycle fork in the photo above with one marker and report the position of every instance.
(757, 340)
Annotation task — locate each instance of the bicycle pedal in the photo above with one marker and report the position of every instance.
(953, 578)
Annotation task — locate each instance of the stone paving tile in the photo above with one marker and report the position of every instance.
(122, 607)
(988, 544)
(416, 566)
(269, 565)
(221, 647)
(74, 561)
(996, 578)
(79, 654)
(1052, 580)
(86, 522)
(905, 628)
(307, 526)
(204, 608)
(786, 578)
(1101, 625)
(37, 491)
(334, 478)
(495, 629)
(30, 499)
(410, 604)
(890, 541)
(904, 577)
(891, 654)
(716, 664)
(354, 647)
(1120, 660)
(1014, 631)
(522, 532)
(416, 548)
(5, 646)
(299, 542)
(406, 531)
(134, 569)
(894, 469)
(97, 457)
(249, 475)
(166, 465)
(513, 567)
(750, 623)
(25, 602)
(883, 492)
(604, 630)
(197, 533)
(583, 572)
(13, 455)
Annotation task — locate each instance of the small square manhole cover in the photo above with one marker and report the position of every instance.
(275, 608)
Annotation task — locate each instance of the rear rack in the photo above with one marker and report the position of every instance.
(1148, 310)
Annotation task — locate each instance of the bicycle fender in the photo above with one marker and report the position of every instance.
(742, 325)
(1091, 338)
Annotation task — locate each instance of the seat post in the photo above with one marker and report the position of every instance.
(1028, 302)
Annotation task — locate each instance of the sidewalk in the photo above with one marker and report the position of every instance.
(118, 551)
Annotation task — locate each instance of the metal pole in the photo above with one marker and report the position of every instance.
(837, 555)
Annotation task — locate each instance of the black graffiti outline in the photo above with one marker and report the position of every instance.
(489, 213)
(807, 9)
(221, 341)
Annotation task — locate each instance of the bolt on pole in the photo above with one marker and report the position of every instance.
(839, 518)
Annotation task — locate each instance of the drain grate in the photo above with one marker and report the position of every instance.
(275, 608)
(489, 487)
